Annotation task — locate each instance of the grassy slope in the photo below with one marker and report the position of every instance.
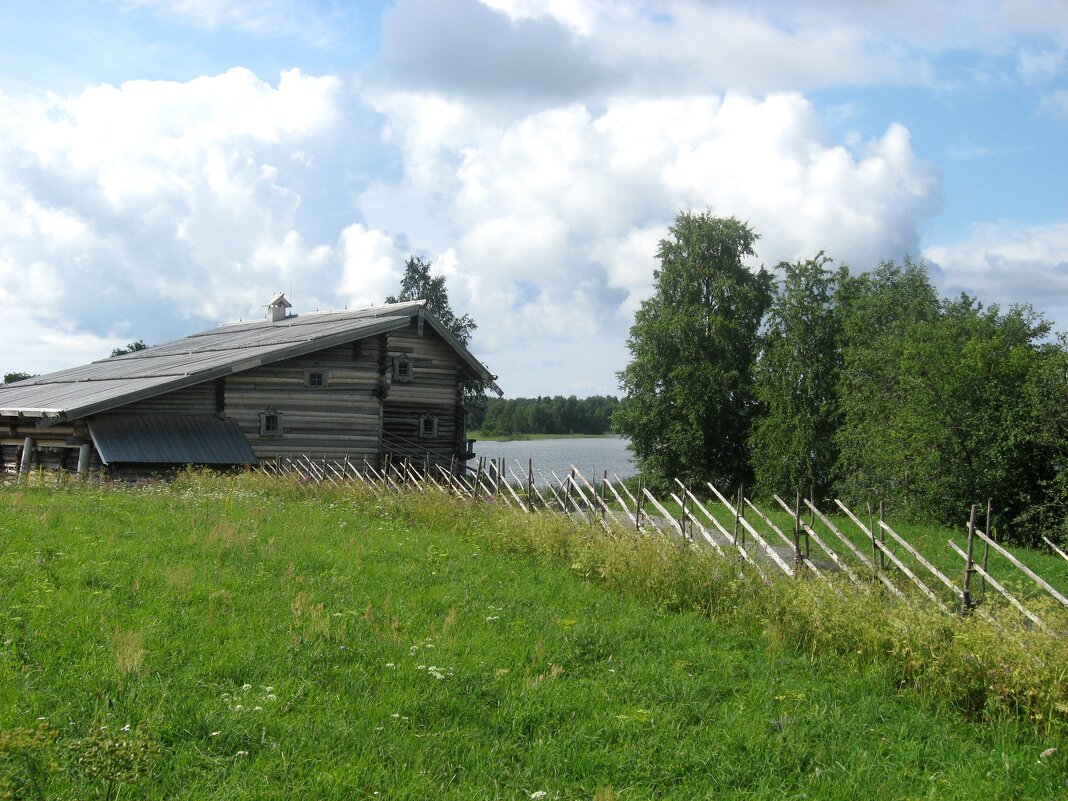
(155, 608)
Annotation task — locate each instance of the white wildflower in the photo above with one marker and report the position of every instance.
(246, 687)
(214, 734)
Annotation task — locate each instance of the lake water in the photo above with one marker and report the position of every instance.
(591, 455)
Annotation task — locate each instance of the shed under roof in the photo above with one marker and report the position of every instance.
(109, 383)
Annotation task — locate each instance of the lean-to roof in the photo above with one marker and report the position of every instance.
(109, 383)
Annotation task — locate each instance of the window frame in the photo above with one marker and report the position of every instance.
(403, 376)
(324, 379)
(432, 419)
(266, 431)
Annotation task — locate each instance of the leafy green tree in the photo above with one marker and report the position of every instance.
(689, 402)
(796, 382)
(881, 315)
(419, 284)
(11, 378)
(132, 347)
(946, 403)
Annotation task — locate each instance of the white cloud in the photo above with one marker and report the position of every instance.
(1008, 262)
(371, 265)
(555, 215)
(152, 207)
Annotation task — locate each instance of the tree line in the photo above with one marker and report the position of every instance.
(865, 386)
(545, 415)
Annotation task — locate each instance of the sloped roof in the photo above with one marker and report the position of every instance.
(169, 439)
(109, 383)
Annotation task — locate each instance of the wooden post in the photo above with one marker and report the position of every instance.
(530, 482)
(737, 521)
(873, 528)
(882, 537)
(638, 506)
(604, 495)
(968, 569)
(682, 520)
(797, 530)
(83, 460)
(986, 549)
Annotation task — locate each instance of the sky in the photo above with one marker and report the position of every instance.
(169, 165)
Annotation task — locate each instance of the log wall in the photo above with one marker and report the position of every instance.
(435, 389)
(336, 420)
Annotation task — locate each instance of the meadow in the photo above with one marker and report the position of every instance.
(244, 637)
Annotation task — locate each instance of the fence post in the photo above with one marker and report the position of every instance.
(968, 568)
(882, 538)
(737, 518)
(986, 547)
(638, 505)
(797, 530)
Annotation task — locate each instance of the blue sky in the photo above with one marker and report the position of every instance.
(166, 166)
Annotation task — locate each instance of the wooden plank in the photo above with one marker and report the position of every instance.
(1055, 549)
(667, 515)
(727, 536)
(832, 555)
(700, 527)
(994, 583)
(534, 486)
(1041, 582)
(778, 560)
(593, 492)
(790, 543)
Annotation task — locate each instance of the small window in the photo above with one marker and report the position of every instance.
(271, 424)
(402, 369)
(315, 378)
(428, 426)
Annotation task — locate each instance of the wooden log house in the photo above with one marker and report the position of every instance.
(345, 385)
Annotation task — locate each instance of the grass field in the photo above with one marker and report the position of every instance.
(242, 638)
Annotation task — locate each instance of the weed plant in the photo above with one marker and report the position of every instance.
(244, 637)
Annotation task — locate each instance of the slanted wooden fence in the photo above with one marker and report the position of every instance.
(810, 545)
(869, 554)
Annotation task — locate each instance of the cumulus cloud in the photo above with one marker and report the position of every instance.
(556, 214)
(146, 209)
(1007, 262)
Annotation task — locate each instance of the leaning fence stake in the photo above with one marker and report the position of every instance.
(968, 568)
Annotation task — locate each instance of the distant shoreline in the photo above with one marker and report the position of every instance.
(478, 435)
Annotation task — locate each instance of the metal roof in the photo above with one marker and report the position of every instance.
(169, 439)
(109, 383)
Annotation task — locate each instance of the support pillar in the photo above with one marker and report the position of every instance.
(83, 460)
